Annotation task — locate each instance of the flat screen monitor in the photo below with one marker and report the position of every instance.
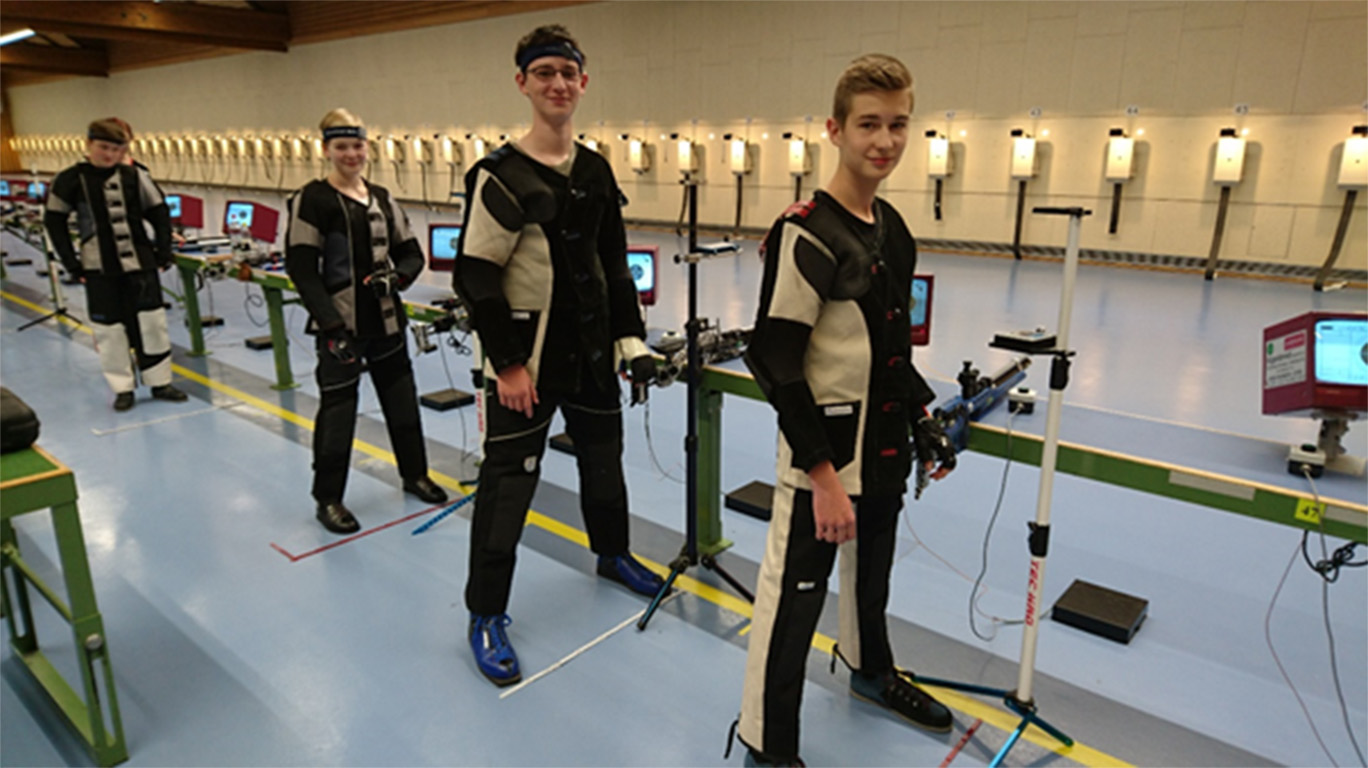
(261, 221)
(18, 189)
(238, 215)
(1341, 352)
(642, 263)
(1317, 361)
(4, 189)
(444, 242)
(38, 191)
(187, 211)
(919, 309)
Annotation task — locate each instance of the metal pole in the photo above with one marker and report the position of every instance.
(1040, 529)
(1220, 230)
(1021, 211)
(1340, 230)
(695, 362)
(1115, 209)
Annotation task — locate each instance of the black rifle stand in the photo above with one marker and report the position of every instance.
(58, 300)
(688, 556)
(1020, 700)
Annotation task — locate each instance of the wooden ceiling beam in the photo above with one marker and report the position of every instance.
(321, 20)
(47, 58)
(153, 22)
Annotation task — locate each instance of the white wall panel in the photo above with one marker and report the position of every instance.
(655, 67)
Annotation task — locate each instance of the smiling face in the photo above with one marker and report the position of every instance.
(348, 155)
(873, 135)
(554, 85)
(105, 154)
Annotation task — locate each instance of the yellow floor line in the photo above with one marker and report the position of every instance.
(966, 705)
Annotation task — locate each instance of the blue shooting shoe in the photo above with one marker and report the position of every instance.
(625, 570)
(493, 653)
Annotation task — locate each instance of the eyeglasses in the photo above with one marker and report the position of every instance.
(547, 74)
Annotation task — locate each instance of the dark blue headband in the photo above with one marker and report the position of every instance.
(102, 136)
(563, 49)
(344, 132)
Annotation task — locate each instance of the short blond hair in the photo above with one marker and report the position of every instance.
(868, 73)
(339, 116)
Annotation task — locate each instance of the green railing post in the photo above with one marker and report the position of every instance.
(280, 340)
(188, 269)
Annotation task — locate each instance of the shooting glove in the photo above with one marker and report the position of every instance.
(932, 444)
(341, 345)
(635, 359)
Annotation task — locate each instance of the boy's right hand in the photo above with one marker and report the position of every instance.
(832, 513)
(516, 391)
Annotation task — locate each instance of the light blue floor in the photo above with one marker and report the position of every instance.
(227, 653)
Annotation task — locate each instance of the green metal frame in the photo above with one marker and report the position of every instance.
(31, 481)
(1347, 520)
(274, 286)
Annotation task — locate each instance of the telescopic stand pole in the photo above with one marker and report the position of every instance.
(688, 556)
(58, 299)
(1021, 700)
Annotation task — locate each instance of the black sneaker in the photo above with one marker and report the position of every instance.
(896, 692)
(123, 401)
(426, 490)
(169, 393)
(337, 518)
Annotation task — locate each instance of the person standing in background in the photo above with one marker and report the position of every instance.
(349, 251)
(118, 261)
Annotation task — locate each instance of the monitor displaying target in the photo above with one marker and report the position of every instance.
(444, 242)
(641, 262)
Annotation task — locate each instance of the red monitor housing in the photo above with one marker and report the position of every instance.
(643, 261)
(919, 309)
(444, 242)
(261, 221)
(1316, 361)
(186, 210)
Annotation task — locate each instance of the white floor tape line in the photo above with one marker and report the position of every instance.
(580, 650)
(163, 420)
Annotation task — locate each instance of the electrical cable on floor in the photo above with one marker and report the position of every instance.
(461, 349)
(253, 300)
(977, 592)
(1268, 639)
(987, 536)
(1328, 569)
(650, 446)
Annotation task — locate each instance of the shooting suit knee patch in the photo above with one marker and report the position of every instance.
(111, 342)
(154, 358)
(152, 325)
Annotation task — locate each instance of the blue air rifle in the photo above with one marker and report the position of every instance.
(978, 394)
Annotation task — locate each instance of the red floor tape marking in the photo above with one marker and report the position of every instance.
(969, 734)
(354, 536)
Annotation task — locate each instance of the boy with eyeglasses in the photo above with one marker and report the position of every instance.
(542, 266)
